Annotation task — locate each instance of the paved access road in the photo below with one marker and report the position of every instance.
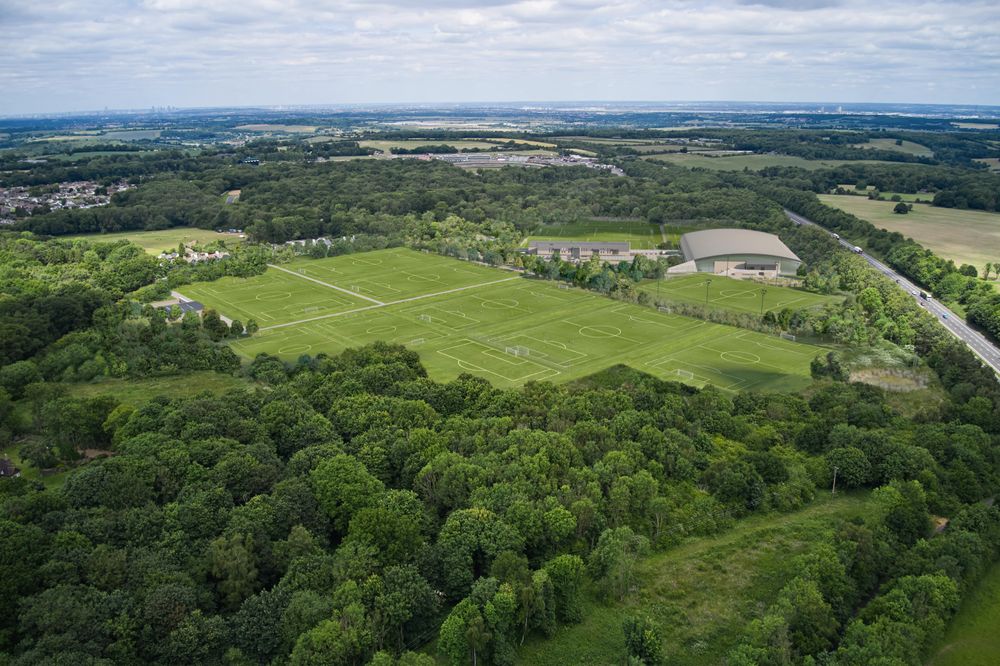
(975, 340)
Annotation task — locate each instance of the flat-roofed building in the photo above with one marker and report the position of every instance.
(574, 250)
(736, 253)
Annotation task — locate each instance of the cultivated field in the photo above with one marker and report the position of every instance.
(155, 242)
(642, 235)
(965, 236)
(908, 147)
(462, 317)
(266, 127)
(725, 293)
(752, 162)
(972, 638)
(460, 144)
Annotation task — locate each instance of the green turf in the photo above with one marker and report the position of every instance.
(726, 293)
(510, 329)
(50, 481)
(965, 236)
(973, 638)
(155, 242)
(702, 594)
(642, 235)
(138, 391)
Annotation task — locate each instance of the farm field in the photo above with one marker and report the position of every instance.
(740, 162)
(155, 242)
(268, 127)
(462, 317)
(726, 293)
(965, 236)
(972, 638)
(908, 147)
(992, 162)
(703, 593)
(642, 235)
(460, 144)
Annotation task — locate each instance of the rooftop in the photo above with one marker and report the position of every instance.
(720, 242)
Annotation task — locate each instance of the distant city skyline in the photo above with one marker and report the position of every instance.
(126, 54)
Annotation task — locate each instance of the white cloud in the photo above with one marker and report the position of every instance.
(65, 55)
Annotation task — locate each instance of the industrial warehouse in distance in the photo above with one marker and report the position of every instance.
(736, 253)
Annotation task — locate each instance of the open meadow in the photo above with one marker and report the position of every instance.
(462, 317)
(724, 293)
(702, 594)
(907, 147)
(460, 144)
(155, 242)
(641, 234)
(972, 638)
(965, 236)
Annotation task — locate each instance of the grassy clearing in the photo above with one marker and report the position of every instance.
(462, 317)
(740, 162)
(90, 154)
(132, 135)
(641, 234)
(908, 197)
(992, 162)
(726, 293)
(703, 593)
(965, 236)
(907, 147)
(51, 481)
(137, 391)
(977, 126)
(155, 242)
(972, 638)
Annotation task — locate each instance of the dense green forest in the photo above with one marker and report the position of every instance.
(349, 510)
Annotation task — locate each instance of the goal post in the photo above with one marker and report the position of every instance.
(787, 336)
(563, 285)
(685, 374)
(425, 317)
(517, 351)
(418, 341)
(665, 309)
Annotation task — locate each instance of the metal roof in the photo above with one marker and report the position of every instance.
(721, 242)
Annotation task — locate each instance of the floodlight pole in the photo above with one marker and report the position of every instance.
(762, 293)
(708, 283)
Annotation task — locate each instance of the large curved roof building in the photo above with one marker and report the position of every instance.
(736, 253)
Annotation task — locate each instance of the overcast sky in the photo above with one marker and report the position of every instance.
(72, 55)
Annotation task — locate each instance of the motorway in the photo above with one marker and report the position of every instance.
(955, 324)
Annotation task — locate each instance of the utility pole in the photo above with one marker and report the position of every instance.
(762, 292)
(833, 491)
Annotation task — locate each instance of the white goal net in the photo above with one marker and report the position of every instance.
(564, 286)
(424, 317)
(664, 308)
(787, 336)
(517, 351)
(685, 374)
(418, 341)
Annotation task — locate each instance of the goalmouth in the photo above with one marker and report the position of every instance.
(787, 336)
(517, 351)
(685, 374)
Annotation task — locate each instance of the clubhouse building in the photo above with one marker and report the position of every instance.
(736, 253)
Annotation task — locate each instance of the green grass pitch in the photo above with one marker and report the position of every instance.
(726, 293)
(462, 317)
(642, 235)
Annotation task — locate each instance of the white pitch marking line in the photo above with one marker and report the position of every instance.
(326, 284)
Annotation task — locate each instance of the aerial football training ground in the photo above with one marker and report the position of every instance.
(725, 293)
(462, 317)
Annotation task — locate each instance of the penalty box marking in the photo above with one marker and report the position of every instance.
(469, 365)
(533, 350)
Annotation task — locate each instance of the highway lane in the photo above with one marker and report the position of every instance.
(955, 324)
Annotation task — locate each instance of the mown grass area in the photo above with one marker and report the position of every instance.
(461, 317)
(460, 144)
(137, 391)
(641, 234)
(51, 481)
(973, 637)
(965, 236)
(157, 241)
(752, 162)
(907, 147)
(725, 293)
(703, 593)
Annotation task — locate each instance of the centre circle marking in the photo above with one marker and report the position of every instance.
(739, 357)
(600, 331)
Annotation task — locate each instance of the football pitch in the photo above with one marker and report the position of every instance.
(725, 293)
(465, 318)
(642, 235)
